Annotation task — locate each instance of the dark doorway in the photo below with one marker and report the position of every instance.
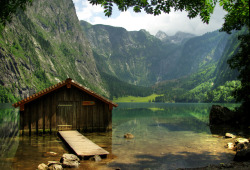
(64, 114)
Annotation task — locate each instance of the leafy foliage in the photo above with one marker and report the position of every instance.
(193, 7)
(238, 14)
(8, 9)
(236, 19)
(241, 62)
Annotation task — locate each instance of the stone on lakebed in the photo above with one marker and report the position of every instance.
(230, 135)
(128, 136)
(70, 161)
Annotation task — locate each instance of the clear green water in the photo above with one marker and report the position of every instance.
(167, 136)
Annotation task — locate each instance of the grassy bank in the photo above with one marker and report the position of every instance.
(136, 99)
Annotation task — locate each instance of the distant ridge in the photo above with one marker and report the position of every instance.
(178, 38)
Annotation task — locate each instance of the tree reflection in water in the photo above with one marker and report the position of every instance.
(9, 134)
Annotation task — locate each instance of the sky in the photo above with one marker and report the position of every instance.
(131, 21)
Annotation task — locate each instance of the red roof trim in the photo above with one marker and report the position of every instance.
(59, 85)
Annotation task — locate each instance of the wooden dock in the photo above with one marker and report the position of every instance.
(81, 145)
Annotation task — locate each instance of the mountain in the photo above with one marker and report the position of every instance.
(139, 58)
(178, 38)
(44, 45)
(212, 83)
(193, 70)
(132, 57)
(223, 72)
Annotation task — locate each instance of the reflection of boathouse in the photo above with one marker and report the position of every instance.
(66, 103)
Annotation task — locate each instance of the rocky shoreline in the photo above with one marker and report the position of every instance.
(222, 116)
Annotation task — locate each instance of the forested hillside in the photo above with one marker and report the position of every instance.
(44, 45)
(213, 83)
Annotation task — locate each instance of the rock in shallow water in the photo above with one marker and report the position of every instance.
(230, 135)
(241, 140)
(128, 136)
(42, 166)
(70, 161)
(95, 158)
(242, 149)
(242, 155)
(56, 167)
(230, 145)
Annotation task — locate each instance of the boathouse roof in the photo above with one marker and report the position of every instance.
(68, 82)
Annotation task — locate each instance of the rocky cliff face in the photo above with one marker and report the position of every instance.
(129, 56)
(42, 46)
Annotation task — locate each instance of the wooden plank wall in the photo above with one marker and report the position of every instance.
(42, 113)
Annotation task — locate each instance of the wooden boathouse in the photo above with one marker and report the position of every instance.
(66, 104)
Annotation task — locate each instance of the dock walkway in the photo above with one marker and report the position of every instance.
(81, 145)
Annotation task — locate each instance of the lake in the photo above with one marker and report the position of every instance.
(166, 136)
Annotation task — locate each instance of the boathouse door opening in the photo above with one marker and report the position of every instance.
(65, 114)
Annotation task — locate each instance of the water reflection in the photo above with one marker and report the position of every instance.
(9, 132)
(167, 136)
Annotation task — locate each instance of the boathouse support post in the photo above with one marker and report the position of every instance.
(43, 114)
(29, 117)
(21, 122)
(50, 115)
(36, 109)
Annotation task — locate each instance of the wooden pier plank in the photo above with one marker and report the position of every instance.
(81, 145)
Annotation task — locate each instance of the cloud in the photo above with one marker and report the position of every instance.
(169, 23)
(86, 11)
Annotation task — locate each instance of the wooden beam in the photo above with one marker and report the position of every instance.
(110, 107)
(68, 85)
(88, 103)
(22, 107)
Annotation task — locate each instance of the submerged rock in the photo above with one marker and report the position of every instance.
(128, 136)
(242, 155)
(230, 145)
(230, 135)
(53, 163)
(49, 154)
(241, 140)
(55, 167)
(95, 158)
(42, 166)
(70, 161)
(242, 149)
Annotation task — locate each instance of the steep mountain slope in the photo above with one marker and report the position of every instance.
(198, 52)
(223, 72)
(142, 59)
(213, 83)
(42, 46)
(130, 56)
